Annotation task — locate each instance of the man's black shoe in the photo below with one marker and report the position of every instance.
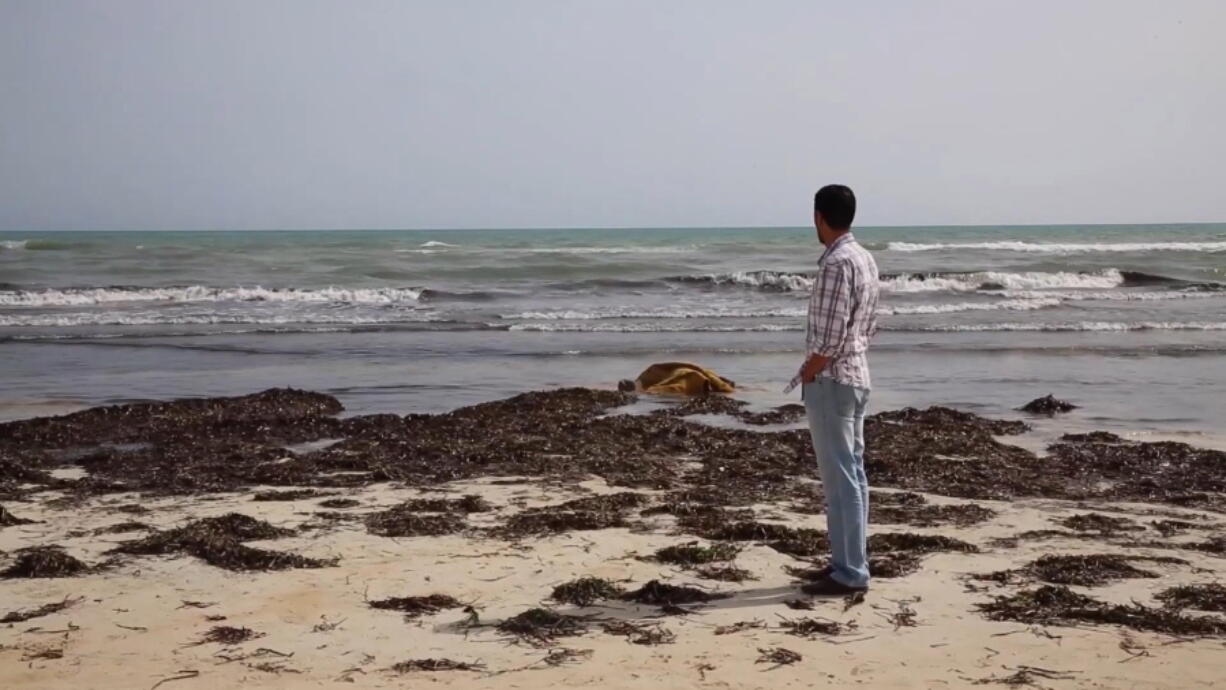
(830, 587)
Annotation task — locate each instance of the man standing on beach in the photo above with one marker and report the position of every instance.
(842, 320)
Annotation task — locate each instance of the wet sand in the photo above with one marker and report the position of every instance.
(591, 494)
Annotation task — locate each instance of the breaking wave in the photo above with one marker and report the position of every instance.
(1061, 248)
(77, 297)
(776, 281)
(1075, 327)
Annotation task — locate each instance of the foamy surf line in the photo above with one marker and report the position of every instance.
(1061, 247)
(775, 281)
(156, 319)
(199, 293)
(785, 312)
(1083, 326)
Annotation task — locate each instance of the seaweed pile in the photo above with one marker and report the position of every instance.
(218, 541)
(908, 508)
(1084, 570)
(405, 520)
(434, 665)
(1210, 597)
(1105, 525)
(663, 594)
(7, 519)
(720, 404)
(1058, 605)
(21, 616)
(541, 627)
(640, 633)
(225, 444)
(588, 513)
(801, 542)
(416, 607)
(228, 635)
(288, 495)
(586, 591)
(44, 561)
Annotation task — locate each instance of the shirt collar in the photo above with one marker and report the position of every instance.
(845, 237)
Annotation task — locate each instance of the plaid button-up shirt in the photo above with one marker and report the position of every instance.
(843, 312)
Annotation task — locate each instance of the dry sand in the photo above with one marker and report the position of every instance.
(132, 627)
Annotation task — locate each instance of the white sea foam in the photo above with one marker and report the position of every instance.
(1078, 326)
(650, 328)
(591, 250)
(771, 280)
(435, 243)
(661, 313)
(170, 319)
(941, 282)
(1116, 296)
(969, 282)
(198, 293)
(13, 244)
(1061, 247)
(782, 312)
(1005, 305)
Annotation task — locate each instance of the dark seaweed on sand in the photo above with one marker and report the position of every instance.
(228, 635)
(640, 633)
(218, 541)
(540, 626)
(415, 607)
(44, 610)
(288, 495)
(586, 591)
(43, 561)
(1058, 605)
(1214, 545)
(1207, 597)
(663, 594)
(693, 554)
(1097, 522)
(466, 504)
(435, 665)
(1084, 570)
(226, 444)
(335, 503)
(581, 514)
(793, 541)
(916, 543)
(778, 656)
(404, 521)
(724, 572)
(122, 527)
(812, 627)
(1169, 528)
(913, 509)
(8, 519)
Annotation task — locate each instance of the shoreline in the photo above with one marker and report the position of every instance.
(568, 487)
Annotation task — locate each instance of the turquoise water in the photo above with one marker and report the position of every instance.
(1130, 320)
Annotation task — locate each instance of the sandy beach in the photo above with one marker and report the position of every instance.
(374, 533)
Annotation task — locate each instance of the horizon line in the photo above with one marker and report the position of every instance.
(633, 227)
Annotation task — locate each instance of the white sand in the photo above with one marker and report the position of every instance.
(131, 628)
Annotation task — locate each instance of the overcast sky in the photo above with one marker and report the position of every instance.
(169, 114)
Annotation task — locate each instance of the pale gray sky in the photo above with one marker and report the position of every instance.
(127, 114)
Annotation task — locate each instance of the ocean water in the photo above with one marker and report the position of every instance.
(1127, 321)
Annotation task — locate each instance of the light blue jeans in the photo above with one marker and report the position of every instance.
(836, 423)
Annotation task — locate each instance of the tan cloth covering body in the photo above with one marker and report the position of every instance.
(681, 378)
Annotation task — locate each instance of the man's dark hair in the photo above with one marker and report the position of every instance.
(837, 204)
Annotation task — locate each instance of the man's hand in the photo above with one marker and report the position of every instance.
(812, 367)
